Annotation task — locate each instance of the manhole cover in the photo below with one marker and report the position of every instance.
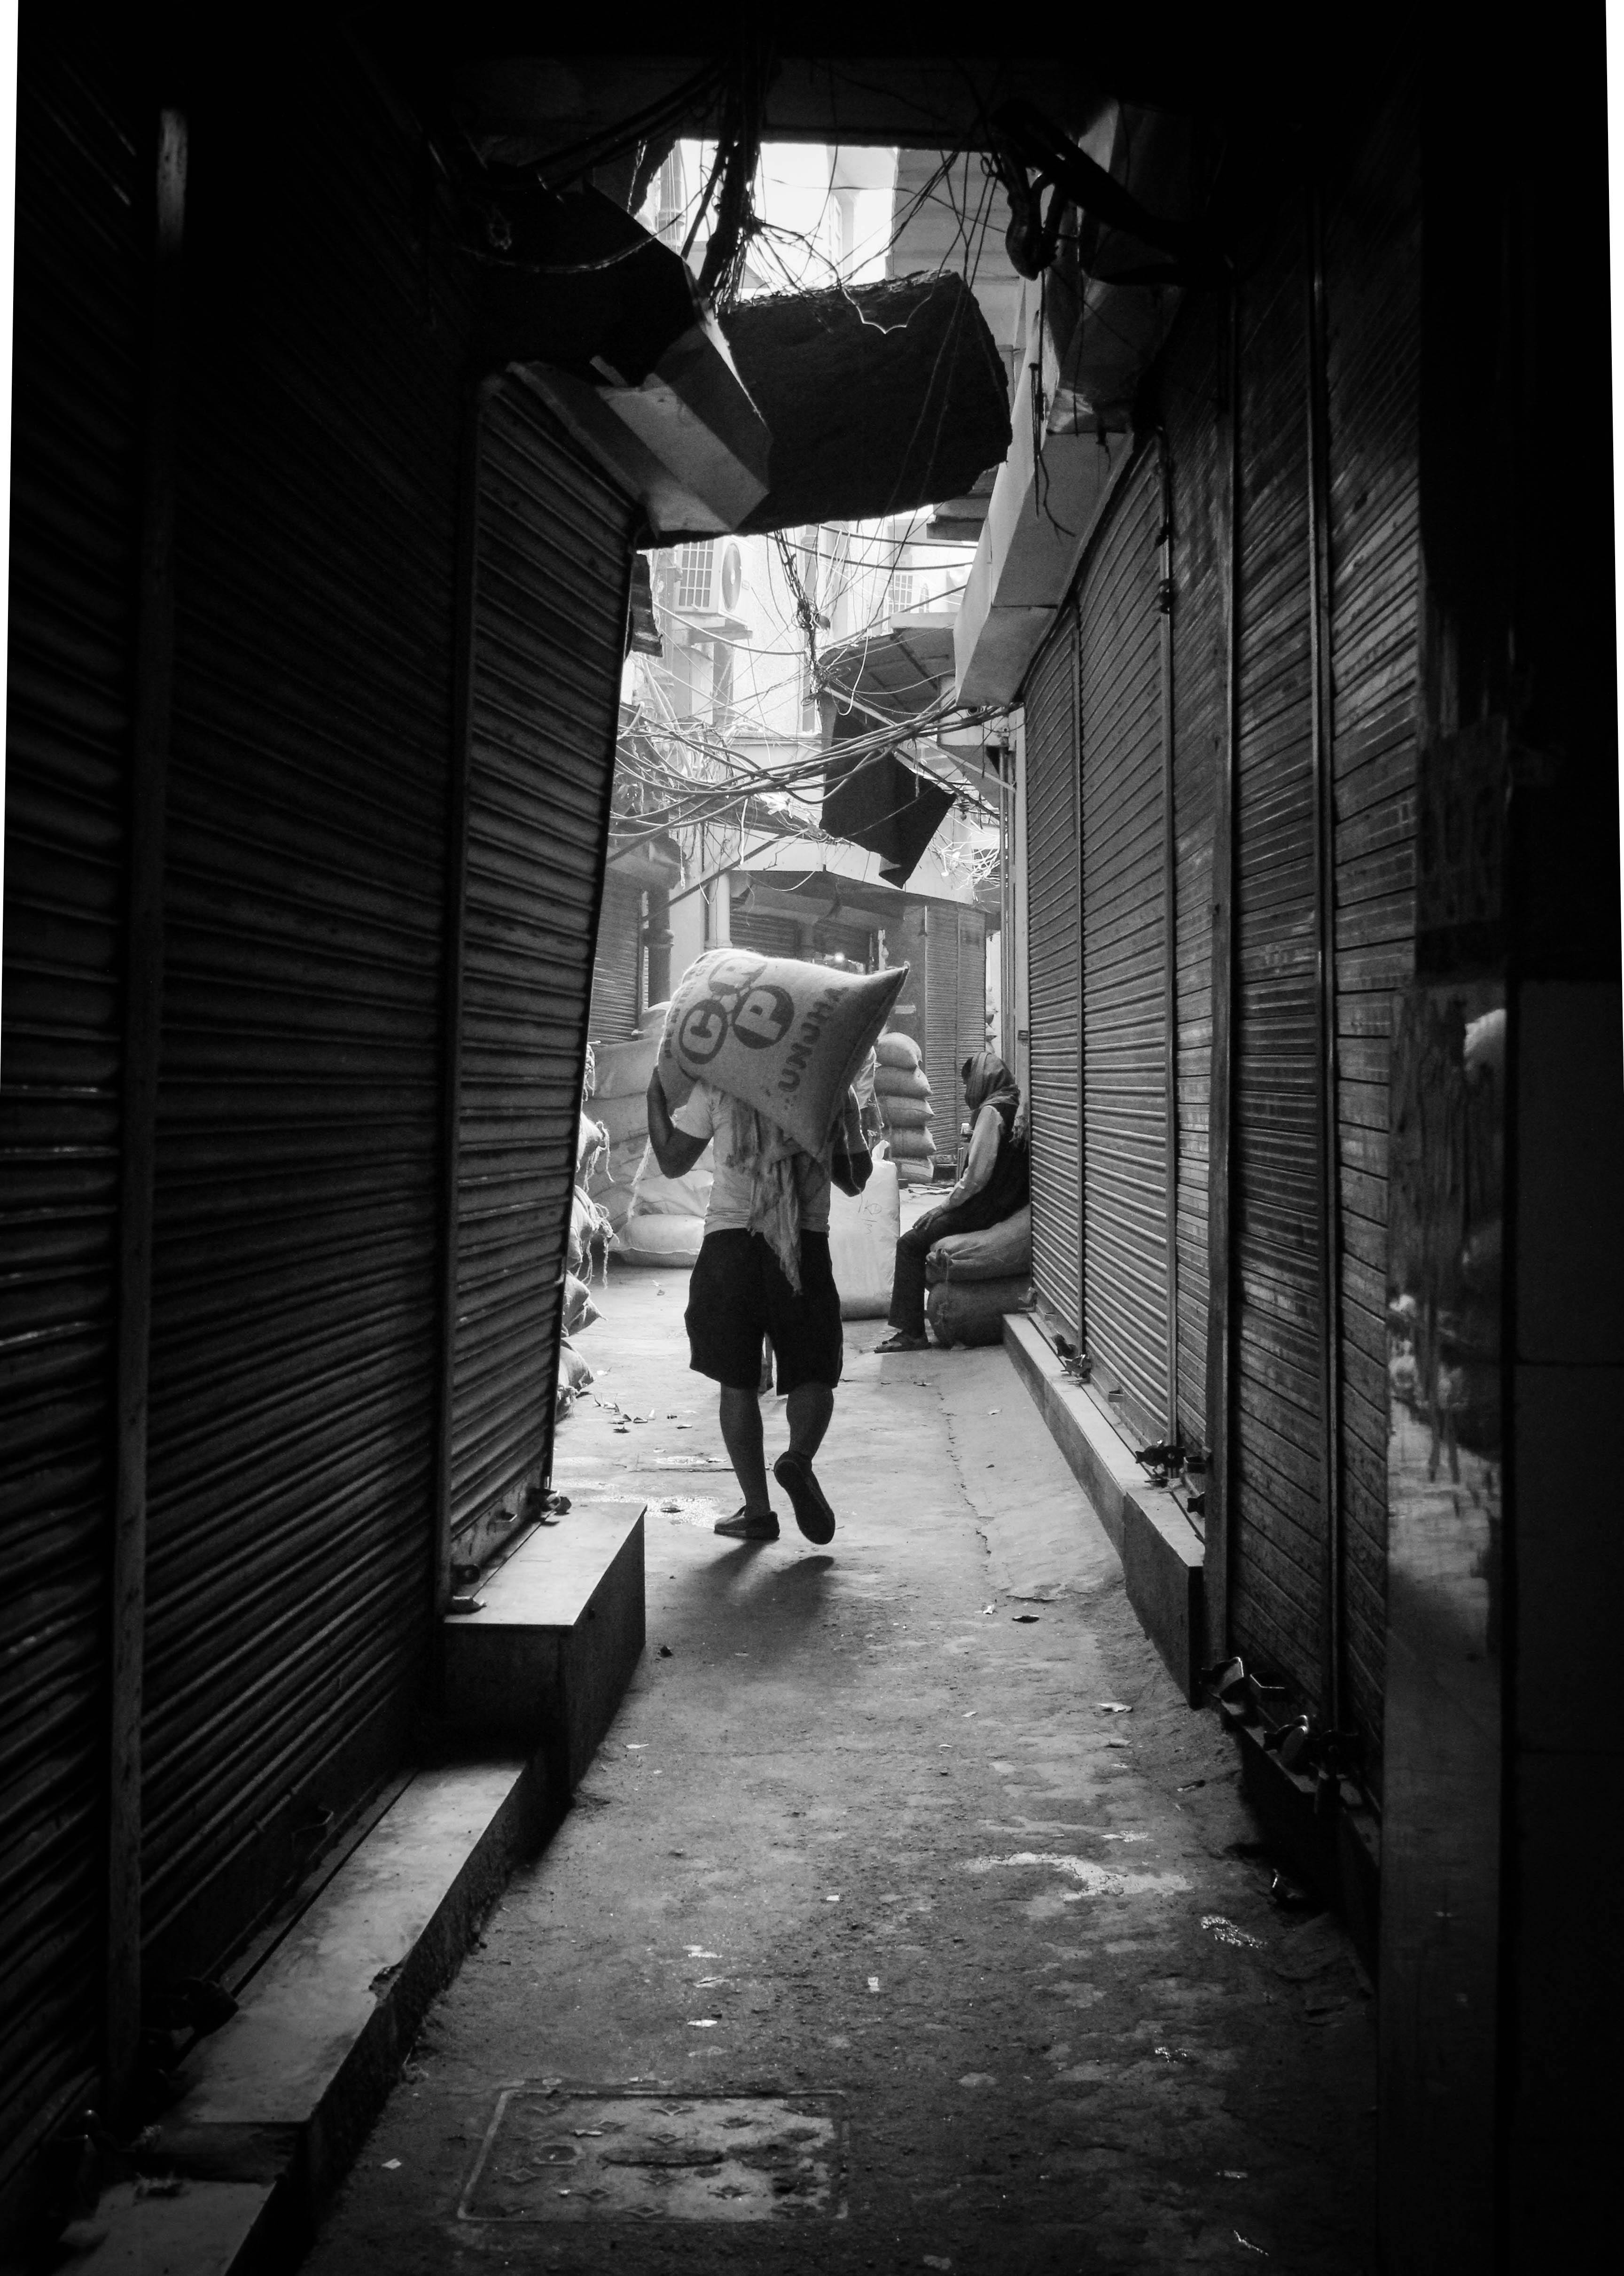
(551, 2155)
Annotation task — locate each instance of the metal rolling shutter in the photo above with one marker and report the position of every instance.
(908, 941)
(855, 942)
(943, 1057)
(1373, 270)
(1200, 480)
(1278, 1540)
(555, 555)
(299, 1152)
(79, 281)
(972, 987)
(1124, 953)
(766, 935)
(616, 955)
(1054, 973)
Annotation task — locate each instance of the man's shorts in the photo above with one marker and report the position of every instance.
(737, 1293)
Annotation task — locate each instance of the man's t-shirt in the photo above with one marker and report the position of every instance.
(706, 1113)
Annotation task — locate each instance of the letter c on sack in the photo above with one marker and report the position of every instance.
(764, 1018)
(703, 1031)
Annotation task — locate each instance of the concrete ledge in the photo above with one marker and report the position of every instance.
(1161, 1556)
(205, 2228)
(1335, 1851)
(281, 2096)
(278, 2099)
(549, 1656)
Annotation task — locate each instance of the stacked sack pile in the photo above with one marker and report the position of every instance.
(665, 1223)
(651, 1219)
(617, 1084)
(974, 1277)
(903, 1089)
(862, 1242)
(589, 1233)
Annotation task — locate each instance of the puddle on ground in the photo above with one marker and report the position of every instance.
(550, 2156)
(1094, 1880)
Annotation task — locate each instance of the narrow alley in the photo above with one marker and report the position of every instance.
(915, 1837)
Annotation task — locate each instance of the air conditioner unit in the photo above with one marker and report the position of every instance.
(708, 578)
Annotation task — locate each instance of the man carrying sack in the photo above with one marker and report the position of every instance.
(786, 1035)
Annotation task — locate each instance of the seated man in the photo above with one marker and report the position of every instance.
(763, 1270)
(995, 1183)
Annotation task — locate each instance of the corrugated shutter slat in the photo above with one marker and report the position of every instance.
(75, 455)
(943, 1057)
(616, 956)
(1124, 953)
(1277, 1576)
(555, 555)
(1054, 980)
(767, 936)
(1372, 278)
(1200, 478)
(972, 994)
(299, 1154)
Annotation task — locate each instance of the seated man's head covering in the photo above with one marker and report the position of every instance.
(989, 1082)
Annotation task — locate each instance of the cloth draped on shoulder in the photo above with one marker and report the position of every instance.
(759, 1148)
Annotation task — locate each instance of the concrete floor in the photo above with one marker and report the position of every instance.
(870, 1832)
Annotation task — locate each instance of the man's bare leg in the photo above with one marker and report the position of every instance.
(741, 1434)
(809, 1408)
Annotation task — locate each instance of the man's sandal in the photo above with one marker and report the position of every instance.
(902, 1341)
(744, 1526)
(794, 1473)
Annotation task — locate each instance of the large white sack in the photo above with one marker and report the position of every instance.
(574, 1377)
(580, 1311)
(656, 1196)
(591, 1139)
(587, 1225)
(659, 1240)
(998, 1252)
(898, 1050)
(617, 1206)
(783, 1036)
(610, 1182)
(862, 1243)
(624, 1118)
(915, 1173)
(972, 1311)
(622, 1070)
(619, 1165)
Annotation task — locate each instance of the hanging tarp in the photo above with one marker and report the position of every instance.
(885, 806)
(878, 397)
